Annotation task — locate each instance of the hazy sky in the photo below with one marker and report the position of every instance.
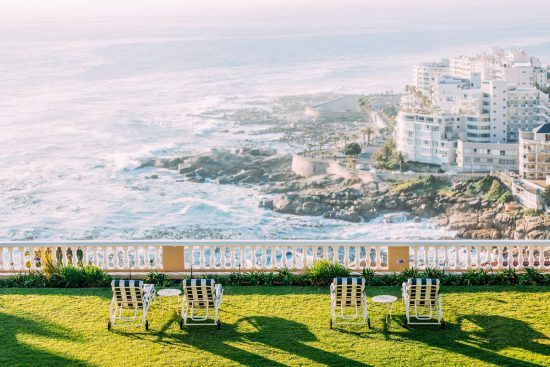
(491, 9)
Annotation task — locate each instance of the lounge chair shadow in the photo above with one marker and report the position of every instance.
(273, 332)
(27, 355)
(490, 334)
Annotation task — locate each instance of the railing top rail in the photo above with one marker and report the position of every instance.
(455, 242)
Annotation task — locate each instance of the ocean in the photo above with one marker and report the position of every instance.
(87, 94)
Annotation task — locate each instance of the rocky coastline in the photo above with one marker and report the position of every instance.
(474, 210)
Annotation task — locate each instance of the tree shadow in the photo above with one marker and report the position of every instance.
(490, 334)
(15, 353)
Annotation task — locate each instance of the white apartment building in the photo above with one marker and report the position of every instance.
(486, 157)
(514, 66)
(486, 99)
(534, 153)
(425, 75)
(427, 137)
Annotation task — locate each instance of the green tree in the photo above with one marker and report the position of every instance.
(383, 158)
(368, 132)
(352, 149)
(335, 140)
(365, 104)
(546, 196)
(400, 158)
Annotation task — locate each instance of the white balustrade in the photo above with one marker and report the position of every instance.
(229, 256)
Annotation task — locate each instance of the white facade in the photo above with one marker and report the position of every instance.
(534, 153)
(425, 75)
(426, 138)
(486, 157)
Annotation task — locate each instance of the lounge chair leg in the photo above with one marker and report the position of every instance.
(181, 324)
(405, 322)
(146, 325)
(368, 322)
(330, 323)
(442, 324)
(109, 325)
(219, 324)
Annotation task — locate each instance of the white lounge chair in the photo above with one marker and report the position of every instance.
(201, 302)
(422, 302)
(348, 302)
(130, 303)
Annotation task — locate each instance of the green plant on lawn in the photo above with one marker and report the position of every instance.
(95, 277)
(322, 272)
(157, 278)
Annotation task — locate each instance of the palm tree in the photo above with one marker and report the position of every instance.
(335, 140)
(354, 137)
(365, 104)
(383, 131)
(400, 158)
(367, 131)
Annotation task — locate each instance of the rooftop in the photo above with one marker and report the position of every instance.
(543, 129)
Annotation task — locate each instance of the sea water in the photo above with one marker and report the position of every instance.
(86, 95)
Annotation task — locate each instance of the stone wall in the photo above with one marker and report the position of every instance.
(309, 167)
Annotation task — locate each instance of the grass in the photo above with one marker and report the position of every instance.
(276, 326)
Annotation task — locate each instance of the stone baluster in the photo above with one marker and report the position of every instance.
(520, 257)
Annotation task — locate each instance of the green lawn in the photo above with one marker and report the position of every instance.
(270, 326)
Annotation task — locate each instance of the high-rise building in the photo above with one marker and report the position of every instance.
(425, 75)
(484, 99)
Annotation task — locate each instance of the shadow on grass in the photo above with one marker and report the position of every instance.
(490, 334)
(269, 332)
(72, 292)
(17, 353)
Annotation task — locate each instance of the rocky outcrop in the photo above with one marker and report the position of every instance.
(474, 210)
(244, 166)
(459, 208)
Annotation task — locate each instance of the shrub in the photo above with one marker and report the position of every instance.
(25, 280)
(156, 278)
(50, 268)
(369, 275)
(494, 191)
(506, 197)
(286, 277)
(532, 213)
(95, 277)
(410, 273)
(433, 273)
(507, 276)
(323, 271)
(531, 277)
(320, 274)
(70, 277)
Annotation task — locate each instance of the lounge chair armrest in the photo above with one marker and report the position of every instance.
(219, 290)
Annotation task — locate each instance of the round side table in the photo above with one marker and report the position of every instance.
(167, 293)
(389, 301)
